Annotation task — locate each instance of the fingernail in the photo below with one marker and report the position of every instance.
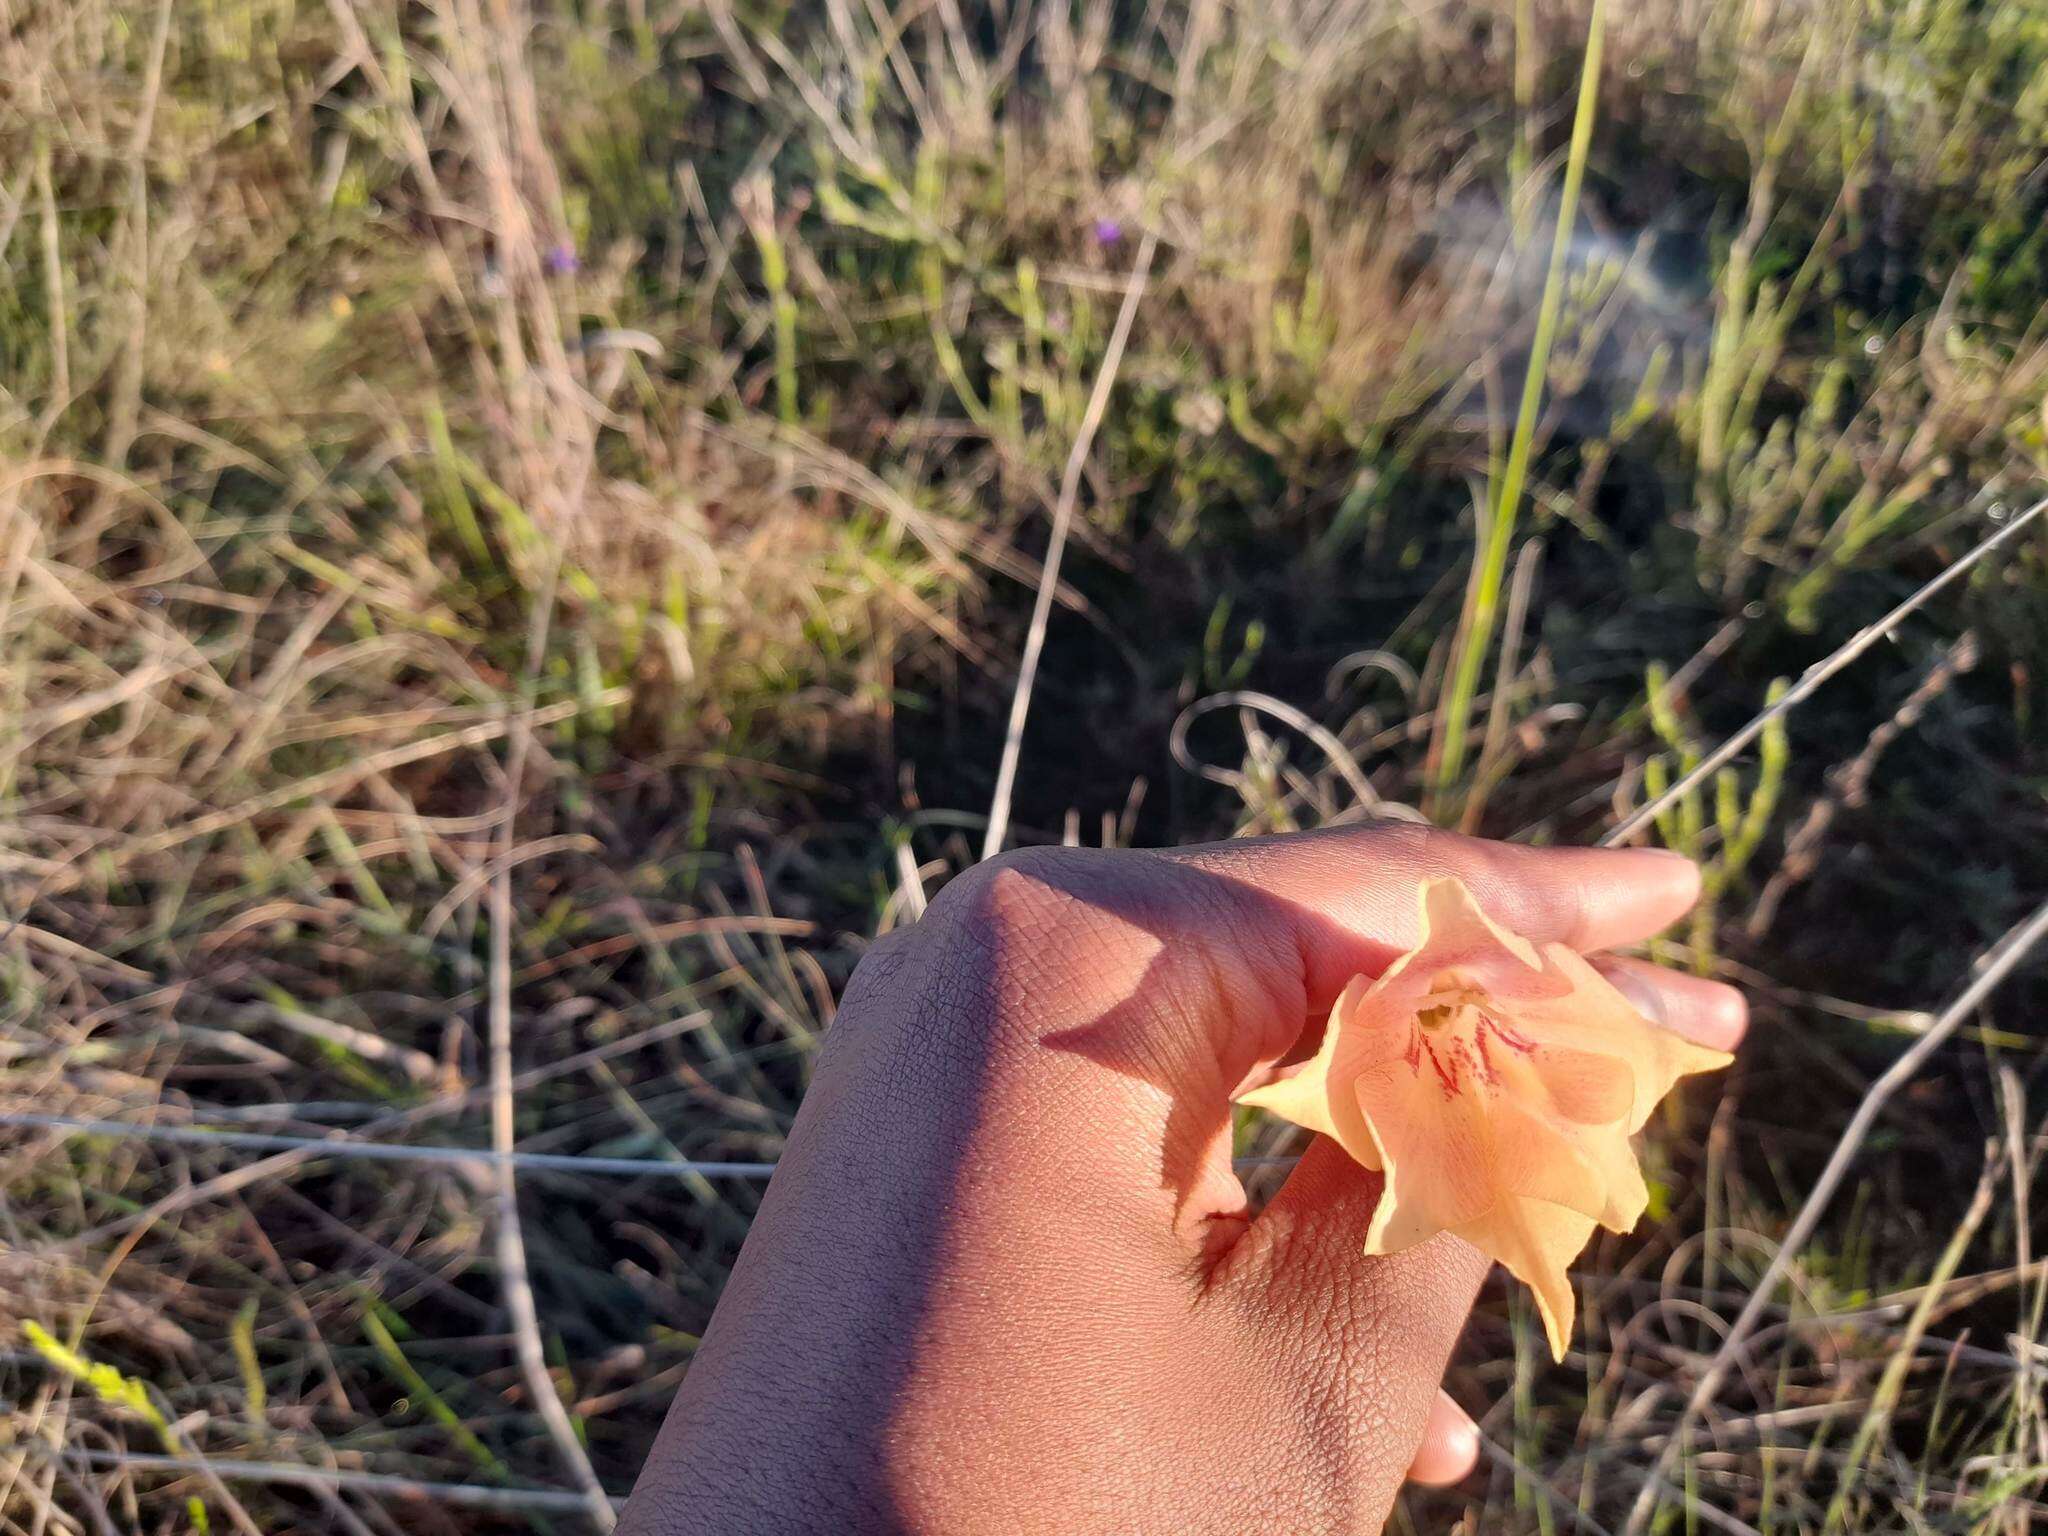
(1644, 996)
(1462, 1440)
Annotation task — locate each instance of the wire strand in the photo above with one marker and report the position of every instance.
(472, 1495)
(386, 1151)
(396, 1152)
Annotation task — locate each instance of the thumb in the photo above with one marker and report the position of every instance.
(1450, 1445)
(1368, 1337)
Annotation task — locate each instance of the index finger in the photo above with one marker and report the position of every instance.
(1358, 884)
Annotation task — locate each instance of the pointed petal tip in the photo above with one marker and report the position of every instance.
(1453, 919)
(1556, 1331)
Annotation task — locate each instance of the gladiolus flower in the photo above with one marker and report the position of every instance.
(1495, 1084)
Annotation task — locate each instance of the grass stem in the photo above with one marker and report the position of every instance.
(1489, 568)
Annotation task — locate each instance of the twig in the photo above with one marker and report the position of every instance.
(1884, 1399)
(661, 933)
(509, 1236)
(415, 1064)
(88, 1499)
(910, 881)
(1810, 681)
(1849, 785)
(467, 887)
(1062, 520)
(1487, 771)
(473, 1495)
(1997, 963)
(53, 282)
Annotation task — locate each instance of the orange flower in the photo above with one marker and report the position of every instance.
(1495, 1083)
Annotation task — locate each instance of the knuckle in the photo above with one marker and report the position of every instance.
(882, 965)
(1562, 899)
(1019, 894)
(1014, 929)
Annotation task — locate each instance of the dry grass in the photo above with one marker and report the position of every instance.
(646, 420)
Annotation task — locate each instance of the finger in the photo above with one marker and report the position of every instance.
(1450, 1446)
(1184, 974)
(1352, 890)
(1708, 1013)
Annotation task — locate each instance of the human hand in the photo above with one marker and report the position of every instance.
(1005, 1278)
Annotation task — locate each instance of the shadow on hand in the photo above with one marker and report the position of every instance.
(854, 1250)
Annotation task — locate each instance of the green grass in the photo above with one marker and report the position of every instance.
(736, 353)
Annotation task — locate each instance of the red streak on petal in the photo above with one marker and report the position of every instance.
(1508, 1037)
(1446, 1076)
(1414, 1053)
(1488, 1072)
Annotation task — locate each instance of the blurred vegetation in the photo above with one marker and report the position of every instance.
(689, 386)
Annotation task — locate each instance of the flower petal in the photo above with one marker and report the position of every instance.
(1596, 1018)
(1538, 1158)
(1457, 935)
(1437, 1150)
(1317, 1094)
(1536, 1241)
(1584, 1087)
(1496, 1083)
(1620, 1175)
(1525, 1191)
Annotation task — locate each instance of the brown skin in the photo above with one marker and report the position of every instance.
(1005, 1279)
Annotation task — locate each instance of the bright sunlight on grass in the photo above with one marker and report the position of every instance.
(519, 526)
